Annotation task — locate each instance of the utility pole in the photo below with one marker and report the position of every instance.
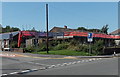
(47, 26)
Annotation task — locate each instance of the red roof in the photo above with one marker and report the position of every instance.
(116, 32)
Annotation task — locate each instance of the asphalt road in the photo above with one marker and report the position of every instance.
(48, 66)
(22, 63)
(99, 67)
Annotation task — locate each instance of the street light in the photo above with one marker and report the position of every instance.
(47, 25)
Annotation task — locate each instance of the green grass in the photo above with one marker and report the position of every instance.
(65, 52)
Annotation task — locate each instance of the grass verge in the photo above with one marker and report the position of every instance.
(65, 52)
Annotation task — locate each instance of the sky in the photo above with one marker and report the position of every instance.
(72, 14)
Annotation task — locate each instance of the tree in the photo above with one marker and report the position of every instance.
(8, 29)
(82, 28)
(105, 29)
(33, 29)
(15, 29)
(89, 30)
(94, 30)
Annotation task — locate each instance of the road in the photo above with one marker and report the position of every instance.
(30, 65)
(100, 67)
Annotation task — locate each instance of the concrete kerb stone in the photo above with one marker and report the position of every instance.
(79, 57)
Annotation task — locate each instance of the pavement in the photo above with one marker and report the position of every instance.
(17, 54)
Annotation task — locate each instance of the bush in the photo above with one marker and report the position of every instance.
(83, 48)
(13, 44)
(61, 46)
(97, 48)
(74, 42)
(43, 47)
(53, 43)
(29, 49)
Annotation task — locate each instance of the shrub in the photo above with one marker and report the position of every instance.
(61, 46)
(29, 49)
(13, 44)
(97, 48)
(53, 43)
(79, 47)
(74, 42)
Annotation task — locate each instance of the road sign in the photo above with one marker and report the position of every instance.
(90, 38)
(89, 35)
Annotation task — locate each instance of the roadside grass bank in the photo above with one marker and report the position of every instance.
(65, 52)
(73, 48)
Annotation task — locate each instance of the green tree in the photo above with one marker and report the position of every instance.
(8, 29)
(105, 29)
(15, 29)
(82, 28)
(33, 29)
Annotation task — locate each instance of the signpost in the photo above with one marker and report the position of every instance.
(90, 39)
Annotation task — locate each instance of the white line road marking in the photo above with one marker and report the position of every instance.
(62, 65)
(90, 60)
(65, 63)
(75, 62)
(26, 71)
(37, 63)
(70, 63)
(78, 61)
(93, 59)
(14, 73)
(43, 68)
(58, 65)
(82, 60)
(50, 66)
(34, 69)
(86, 60)
(97, 59)
(4, 74)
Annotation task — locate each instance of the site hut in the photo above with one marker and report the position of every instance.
(6, 40)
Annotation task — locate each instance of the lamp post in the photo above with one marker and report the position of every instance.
(47, 26)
